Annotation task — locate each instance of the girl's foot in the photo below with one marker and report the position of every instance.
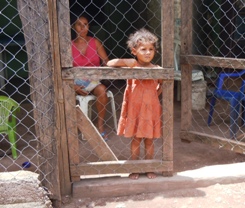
(151, 175)
(134, 176)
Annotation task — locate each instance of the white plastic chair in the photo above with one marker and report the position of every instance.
(196, 74)
(87, 109)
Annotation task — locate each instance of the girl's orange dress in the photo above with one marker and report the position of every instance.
(141, 110)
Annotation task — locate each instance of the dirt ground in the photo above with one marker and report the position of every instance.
(215, 196)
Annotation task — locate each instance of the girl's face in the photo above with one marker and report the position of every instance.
(81, 27)
(144, 52)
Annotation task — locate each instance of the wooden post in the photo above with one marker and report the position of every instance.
(168, 85)
(39, 22)
(186, 69)
(61, 136)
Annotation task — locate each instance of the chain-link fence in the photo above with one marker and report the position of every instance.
(216, 53)
(28, 63)
(20, 145)
(15, 85)
(217, 46)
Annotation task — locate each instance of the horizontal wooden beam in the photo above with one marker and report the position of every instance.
(215, 141)
(213, 61)
(127, 166)
(118, 73)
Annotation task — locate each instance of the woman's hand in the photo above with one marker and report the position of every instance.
(79, 90)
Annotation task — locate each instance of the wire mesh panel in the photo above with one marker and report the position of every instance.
(15, 85)
(216, 54)
(111, 23)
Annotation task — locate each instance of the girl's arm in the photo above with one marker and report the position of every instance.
(159, 89)
(122, 62)
(101, 52)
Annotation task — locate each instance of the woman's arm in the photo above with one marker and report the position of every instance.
(101, 52)
(122, 62)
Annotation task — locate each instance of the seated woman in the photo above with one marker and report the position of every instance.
(88, 51)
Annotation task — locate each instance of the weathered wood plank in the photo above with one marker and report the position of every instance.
(118, 73)
(63, 9)
(38, 27)
(215, 141)
(93, 137)
(60, 133)
(71, 127)
(213, 61)
(167, 38)
(186, 97)
(186, 70)
(168, 119)
(128, 166)
(186, 27)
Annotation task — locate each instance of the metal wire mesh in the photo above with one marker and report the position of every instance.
(218, 32)
(111, 22)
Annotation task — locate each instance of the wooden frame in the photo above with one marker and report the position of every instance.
(188, 60)
(165, 165)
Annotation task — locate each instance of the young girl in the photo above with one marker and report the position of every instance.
(141, 110)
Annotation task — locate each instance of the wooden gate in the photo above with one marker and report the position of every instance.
(110, 163)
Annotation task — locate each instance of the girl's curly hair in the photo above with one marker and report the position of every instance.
(142, 36)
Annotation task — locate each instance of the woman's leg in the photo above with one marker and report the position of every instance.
(149, 153)
(102, 99)
(135, 153)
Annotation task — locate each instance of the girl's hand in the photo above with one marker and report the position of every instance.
(159, 89)
(79, 90)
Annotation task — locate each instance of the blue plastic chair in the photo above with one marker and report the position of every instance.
(8, 109)
(234, 97)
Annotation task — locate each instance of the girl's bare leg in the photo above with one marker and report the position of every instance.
(149, 153)
(135, 153)
(102, 99)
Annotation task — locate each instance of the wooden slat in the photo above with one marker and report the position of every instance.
(118, 73)
(186, 27)
(60, 133)
(129, 166)
(167, 38)
(63, 8)
(93, 137)
(168, 123)
(72, 131)
(168, 119)
(213, 61)
(186, 97)
(186, 70)
(214, 141)
(37, 19)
